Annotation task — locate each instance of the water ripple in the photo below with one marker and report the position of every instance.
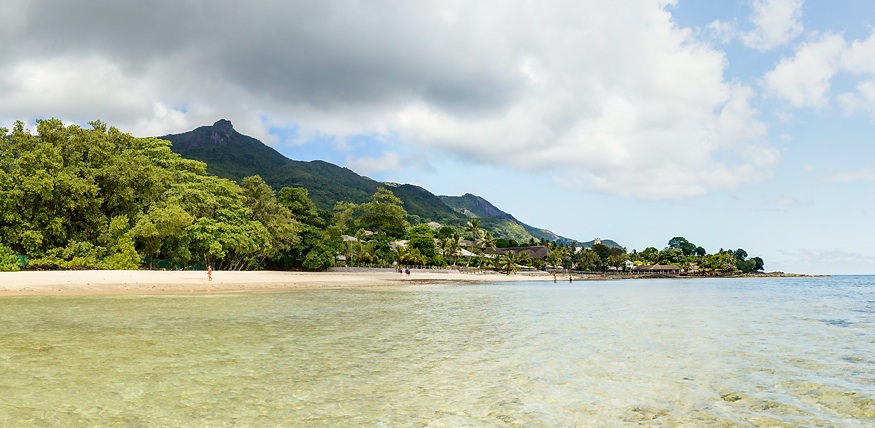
(650, 352)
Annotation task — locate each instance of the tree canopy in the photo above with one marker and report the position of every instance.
(77, 198)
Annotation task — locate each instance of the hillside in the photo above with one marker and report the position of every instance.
(232, 155)
(474, 206)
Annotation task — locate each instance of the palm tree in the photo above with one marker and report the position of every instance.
(400, 254)
(450, 247)
(415, 257)
(488, 241)
(473, 226)
(347, 251)
(555, 257)
(368, 254)
(507, 262)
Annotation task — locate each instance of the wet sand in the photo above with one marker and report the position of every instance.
(150, 281)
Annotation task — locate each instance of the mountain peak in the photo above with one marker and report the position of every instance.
(223, 127)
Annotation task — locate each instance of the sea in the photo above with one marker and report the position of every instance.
(794, 352)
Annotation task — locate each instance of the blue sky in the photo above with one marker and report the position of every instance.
(740, 123)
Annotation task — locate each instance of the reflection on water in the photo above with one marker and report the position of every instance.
(769, 352)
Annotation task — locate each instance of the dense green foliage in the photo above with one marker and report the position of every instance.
(75, 198)
(78, 198)
(8, 260)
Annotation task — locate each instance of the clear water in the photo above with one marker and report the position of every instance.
(746, 352)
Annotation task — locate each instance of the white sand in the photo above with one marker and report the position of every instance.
(144, 281)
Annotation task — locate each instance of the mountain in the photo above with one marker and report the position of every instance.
(232, 155)
(474, 206)
(497, 221)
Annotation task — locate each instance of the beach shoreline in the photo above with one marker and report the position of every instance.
(97, 282)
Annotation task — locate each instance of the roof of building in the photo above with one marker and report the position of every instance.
(656, 268)
(535, 251)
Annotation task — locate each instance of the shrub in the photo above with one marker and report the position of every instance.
(8, 260)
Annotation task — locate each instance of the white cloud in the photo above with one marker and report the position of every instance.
(612, 95)
(865, 174)
(776, 22)
(860, 59)
(389, 161)
(804, 80)
(722, 31)
(829, 261)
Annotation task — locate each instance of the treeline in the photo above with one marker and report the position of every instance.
(76, 198)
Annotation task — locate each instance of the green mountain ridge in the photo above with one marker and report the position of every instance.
(232, 155)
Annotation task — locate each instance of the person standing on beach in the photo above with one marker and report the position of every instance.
(407, 271)
(209, 273)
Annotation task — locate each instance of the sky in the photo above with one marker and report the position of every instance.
(735, 124)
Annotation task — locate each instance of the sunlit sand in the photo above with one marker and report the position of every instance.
(140, 281)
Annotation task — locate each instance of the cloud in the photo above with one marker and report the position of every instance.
(804, 80)
(786, 202)
(367, 165)
(865, 174)
(614, 97)
(860, 59)
(722, 31)
(776, 22)
(829, 261)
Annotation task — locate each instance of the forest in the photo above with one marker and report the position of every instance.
(99, 198)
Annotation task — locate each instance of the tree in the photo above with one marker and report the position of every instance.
(450, 246)
(278, 219)
(681, 243)
(587, 259)
(8, 260)
(488, 241)
(555, 257)
(348, 248)
(400, 254)
(446, 232)
(421, 238)
(525, 259)
(118, 240)
(298, 201)
(507, 262)
(384, 214)
(603, 252)
(473, 227)
(650, 255)
(344, 217)
(672, 256)
(758, 263)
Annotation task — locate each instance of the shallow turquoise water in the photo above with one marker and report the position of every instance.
(726, 352)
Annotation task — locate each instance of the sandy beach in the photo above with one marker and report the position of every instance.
(146, 281)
